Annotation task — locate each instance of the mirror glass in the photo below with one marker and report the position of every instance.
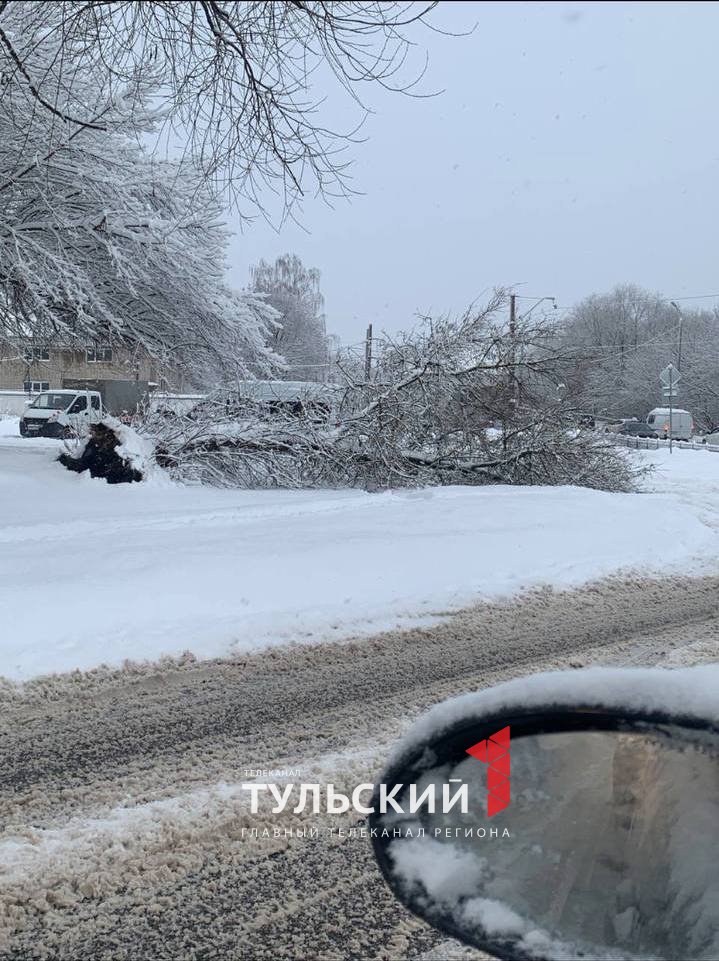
(606, 849)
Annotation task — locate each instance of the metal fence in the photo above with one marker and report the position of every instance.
(652, 443)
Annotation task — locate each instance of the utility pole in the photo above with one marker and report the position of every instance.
(368, 354)
(671, 409)
(512, 323)
(513, 379)
(681, 327)
(513, 344)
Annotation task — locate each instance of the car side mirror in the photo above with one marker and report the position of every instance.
(559, 826)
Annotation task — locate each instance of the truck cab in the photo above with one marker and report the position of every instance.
(61, 413)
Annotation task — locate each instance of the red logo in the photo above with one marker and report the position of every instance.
(495, 752)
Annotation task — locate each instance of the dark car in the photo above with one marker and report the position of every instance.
(636, 428)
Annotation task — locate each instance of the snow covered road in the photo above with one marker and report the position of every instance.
(122, 817)
(91, 573)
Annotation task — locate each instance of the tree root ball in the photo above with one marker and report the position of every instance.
(101, 458)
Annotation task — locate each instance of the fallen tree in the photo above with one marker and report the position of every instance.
(458, 401)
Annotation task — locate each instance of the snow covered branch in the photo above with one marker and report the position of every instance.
(234, 79)
(456, 402)
(100, 242)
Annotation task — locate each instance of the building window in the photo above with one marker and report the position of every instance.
(98, 355)
(35, 386)
(35, 353)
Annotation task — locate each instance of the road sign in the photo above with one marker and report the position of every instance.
(670, 393)
(670, 376)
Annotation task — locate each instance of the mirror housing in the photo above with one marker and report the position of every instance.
(592, 845)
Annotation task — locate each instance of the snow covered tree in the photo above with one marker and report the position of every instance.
(102, 242)
(233, 79)
(294, 292)
(621, 340)
(699, 386)
(620, 320)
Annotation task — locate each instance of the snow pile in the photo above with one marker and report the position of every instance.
(9, 426)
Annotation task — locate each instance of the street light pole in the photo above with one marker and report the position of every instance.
(540, 300)
(681, 327)
(671, 409)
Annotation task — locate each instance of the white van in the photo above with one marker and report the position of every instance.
(682, 423)
(61, 413)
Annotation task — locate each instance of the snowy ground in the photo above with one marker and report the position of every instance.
(121, 812)
(91, 573)
(122, 819)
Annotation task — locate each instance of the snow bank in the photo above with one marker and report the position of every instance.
(91, 573)
(9, 426)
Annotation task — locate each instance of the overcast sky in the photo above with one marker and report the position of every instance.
(575, 146)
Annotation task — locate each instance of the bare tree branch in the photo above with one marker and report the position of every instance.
(235, 79)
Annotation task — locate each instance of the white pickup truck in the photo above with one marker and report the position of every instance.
(62, 413)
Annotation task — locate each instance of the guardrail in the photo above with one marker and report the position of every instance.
(653, 443)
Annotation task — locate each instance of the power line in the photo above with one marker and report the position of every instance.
(661, 339)
(697, 297)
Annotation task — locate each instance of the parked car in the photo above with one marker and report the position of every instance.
(682, 422)
(630, 426)
(635, 428)
(614, 426)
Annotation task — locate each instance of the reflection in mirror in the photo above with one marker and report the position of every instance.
(611, 850)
